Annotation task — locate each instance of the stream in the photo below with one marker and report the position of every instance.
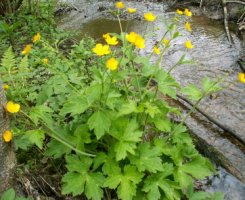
(214, 57)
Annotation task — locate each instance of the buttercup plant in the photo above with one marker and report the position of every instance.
(105, 113)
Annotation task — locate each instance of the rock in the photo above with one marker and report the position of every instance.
(224, 182)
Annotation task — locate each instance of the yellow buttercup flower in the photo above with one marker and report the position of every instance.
(166, 41)
(112, 64)
(132, 10)
(241, 77)
(45, 61)
(120, 5)
(36, 38)
(5, 87)
(131, 37)
(136, 39)
(106, 35)
(27, 49)
(12, 107)
(188, 26)
(101, 50)
(7, 136)
(156, 50)
(149, 17)
(139, 42)
(179, 12)
(188, 44)
(188, 13)
(110, 40)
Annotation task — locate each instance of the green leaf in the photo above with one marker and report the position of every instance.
(162, 145)
(210, 86)
(148, 69)
(147, 158)
(177, 129)
(110, 166)
(81, 136)
(73, 183)
(8, 195)
(35, 137)
(94, 182)
(125, 183)
(93, 92)
(182, 138)
(100, 122)
(167, 84)
(8, 60)
(113, 99)
(199, 196)
(153, 190)
(127, 108)
(80, 164)
(42, 113)
(199, 168)
(56, 149)
(151, 109)
(79, 179)
(29, 138)
(75, 105)
(157, 183)
(23, 66)
(163, 124)
(193, 92)
(183, 179)
(128, 135)
(176, 34)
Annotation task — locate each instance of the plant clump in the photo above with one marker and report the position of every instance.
(104, 111)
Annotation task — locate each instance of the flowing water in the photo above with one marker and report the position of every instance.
(214, 57)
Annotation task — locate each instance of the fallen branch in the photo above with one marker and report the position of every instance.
(226, 21)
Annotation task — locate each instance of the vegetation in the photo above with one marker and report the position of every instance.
(103, 109)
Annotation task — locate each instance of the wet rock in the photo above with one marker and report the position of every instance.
(224, 182)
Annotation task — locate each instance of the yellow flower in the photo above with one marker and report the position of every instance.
(101, 50)
(120, 5)
(132, 10)
(188, 13)
(149, 17)
(156, 50)
(112, 64)
(166, 41)
(5, 87)
(45, 61)
(131, 37)
(36, 38)
(110, 40)
(136, 39)
(188, 44)
(188, 26)
(241, 77)
(139, 42)
(179, 12)
(12, 107)
(7, 136)
(27, 49)
(106, 35)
